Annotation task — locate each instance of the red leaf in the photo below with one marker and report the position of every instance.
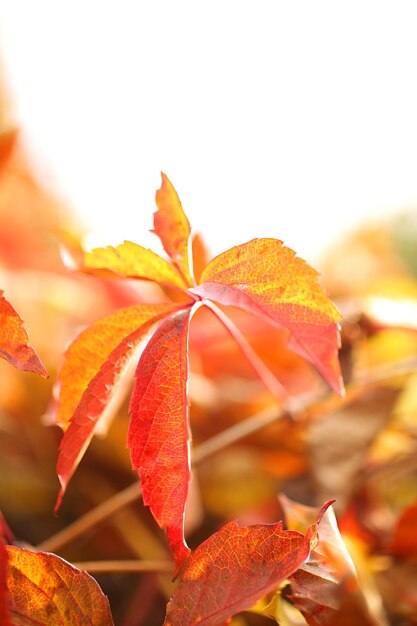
(4, 611)
(14, 341)
(90, 349)
(173, 228)
(46, 590)
(5, 533)
(128, 327)
(129, 260)
(233, 569)
(159, 432)
(404, 541)
(266, 278)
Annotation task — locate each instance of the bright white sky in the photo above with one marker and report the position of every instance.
(283, 119)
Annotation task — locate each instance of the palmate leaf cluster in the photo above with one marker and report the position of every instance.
(226, 375)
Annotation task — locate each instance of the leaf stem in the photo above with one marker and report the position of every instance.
(296, 409)
(88, 520)
(264, 373)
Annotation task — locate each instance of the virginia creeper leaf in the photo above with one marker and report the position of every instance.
(46, 590)
(268, 279)
(90, 349)
(320, 587)
(14, 341)
(235, 567)
(102, 386)
(158, 433)
(4, 611)
(172, 227)
(130, 260)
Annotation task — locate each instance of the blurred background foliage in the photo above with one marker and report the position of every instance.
(360, 450)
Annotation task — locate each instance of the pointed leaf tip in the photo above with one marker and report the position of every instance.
(266, 278)
(14, 341)
(94, 364)
(233, 569)
(158, 435)
(129, 260)
(172, 227)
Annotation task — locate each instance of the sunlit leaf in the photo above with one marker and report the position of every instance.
(172, 227)
(268, 279)
(96, 398)
(130, 260)
(158, 430)
(14, 341)
(235, 567)
(87, 353)
(46, 590)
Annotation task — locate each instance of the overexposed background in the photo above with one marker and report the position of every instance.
(292, 120)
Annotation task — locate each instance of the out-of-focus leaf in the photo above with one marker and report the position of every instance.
(268, 279)
(14, 341)
(158, 430)
(130, 260)
(200, 255)
(404, 541)
(405, 409)
(235, 567)
(29, 214)
(340, 442)
(172, 227)
(4, 611)
(96, 399)
(87, 353)
(46, 590)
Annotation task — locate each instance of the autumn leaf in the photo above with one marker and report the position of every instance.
(159, 431)
(95, 363)
(4, 611)
(14, 341)
(268, 279)
(45, 589)
(321, 587)
(129, 260)
(235, 567)
(90, 349)
(172, 227)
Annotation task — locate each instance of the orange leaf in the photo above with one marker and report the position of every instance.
(4, 611)
(266, 278)
(14, 341)
(92, 347)
(404, 541)
(159, 432)
(233, 569)
(173, 228)
(96, 398)
(45, 589)
(129, 260)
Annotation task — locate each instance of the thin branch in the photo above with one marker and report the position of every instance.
(131, 566)
(90, 519)
(295, 409)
